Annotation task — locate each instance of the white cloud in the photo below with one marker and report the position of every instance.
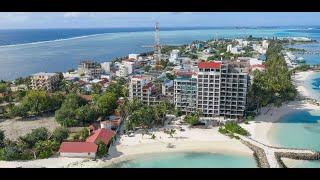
(72, 14)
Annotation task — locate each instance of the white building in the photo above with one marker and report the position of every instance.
(229, 47)
(133, 56)
(129, 65)
(174, 55)
(123, 71)
(106, 66)
(265, 44)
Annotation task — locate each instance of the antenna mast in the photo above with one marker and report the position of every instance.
(157, 47)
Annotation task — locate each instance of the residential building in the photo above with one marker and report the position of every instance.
(168, 90)
(208, 90)
(44, 81)
(233, 89)
(78, 149)
(174, 55)
(216, 89)
(123, 71)
(133, 56)
(130, 65)
(106, 66)
(90, 68)
(143, 89)
(104, 135)
(185, 91)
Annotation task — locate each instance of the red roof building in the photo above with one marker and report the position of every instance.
(209, 65)
(104, 135)
(78, 147)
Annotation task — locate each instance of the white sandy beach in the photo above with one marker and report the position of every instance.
(261, 128)
(190, 140)
(299, 79)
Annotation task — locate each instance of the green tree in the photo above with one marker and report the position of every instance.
(170, 76)
(10, 153)
(102, 149)
(2, 137)
(60, 134)
(45, 149)
(66, 115)
(147, 68)
(192, 118)
(96, 88)
(84, 134)
(39, 134)
(85, 114)
(3, 87)
(106, 104)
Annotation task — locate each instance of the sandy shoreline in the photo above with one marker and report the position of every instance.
(262, 129)
(190, 140)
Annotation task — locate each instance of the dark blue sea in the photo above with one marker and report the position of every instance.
(27, 51)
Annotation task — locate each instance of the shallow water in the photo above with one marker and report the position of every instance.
(189, 160)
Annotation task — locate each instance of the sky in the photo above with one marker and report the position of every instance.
(21, 20)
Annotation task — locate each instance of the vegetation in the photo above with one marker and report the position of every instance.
(303, 67)
(38, 144)
(231, 128)
(46, 148)
(147, 68)
(170, 76)
(2, 136)
(106, 104)
(144, 116)
(102, 149)
(274, 85)
(297, 50)
(60, 134)
(66, 115)
(36, 103)
(192, 118)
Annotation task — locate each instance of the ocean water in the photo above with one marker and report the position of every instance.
(29, 51)
(299, 129)
(189, 160)
(308, 164)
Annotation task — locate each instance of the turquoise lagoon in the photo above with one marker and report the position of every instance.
(299, 129)
(189, 160)
(308, 164)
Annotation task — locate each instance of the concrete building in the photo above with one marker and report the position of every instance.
(229, 47)
(130, 65)
(168, 90)
(216, 89)
(106, 66)
(185, 91)
(44, 81)
(133, 56)
(123, 71)
(208, 100)
(142, 88)
(78, 150)
(174, 55)
(90, 68)
(233, 89)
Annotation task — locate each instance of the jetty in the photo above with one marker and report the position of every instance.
(270, 156)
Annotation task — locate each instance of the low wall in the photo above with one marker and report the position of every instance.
(297, 156)
(259, 155)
